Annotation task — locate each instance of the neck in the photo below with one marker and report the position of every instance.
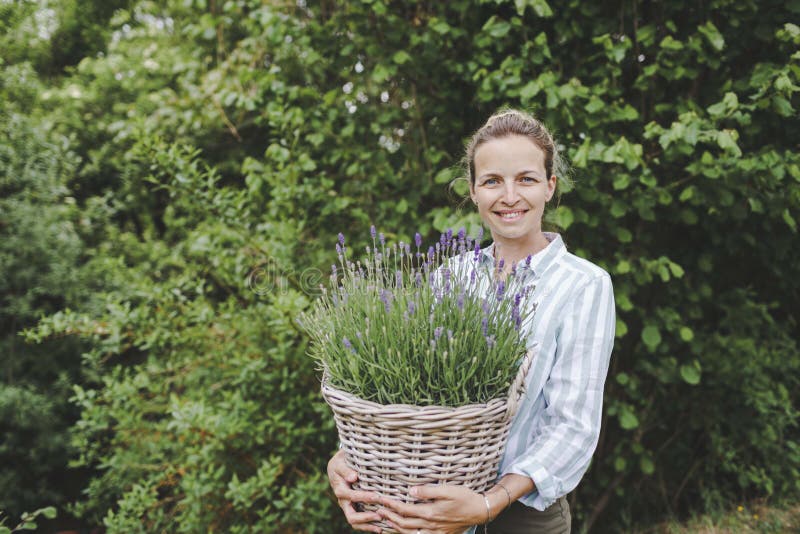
(515, 251)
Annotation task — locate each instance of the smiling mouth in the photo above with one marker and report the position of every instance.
(510, 215)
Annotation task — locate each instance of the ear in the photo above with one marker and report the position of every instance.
(551, 187)
(472, 193)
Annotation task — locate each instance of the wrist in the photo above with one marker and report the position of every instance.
(498, 501)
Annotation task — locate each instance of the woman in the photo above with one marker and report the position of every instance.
(512, 161)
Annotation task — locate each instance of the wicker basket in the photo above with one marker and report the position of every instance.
(393, 447)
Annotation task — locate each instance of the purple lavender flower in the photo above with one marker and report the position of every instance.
(408, 249)
(338, 249)
(437, 332)
(333, 270)
(341, 238)
(479, 237)
(418, 239)
(462, 233)
(528, 261)
(386, 298)
(382, 238)
(418, 279)
(412, 307)
(398, 279)
(515, 316)
(348, 345)
(501, 264)
(473, 275)
(485, 326)
(448, 236)
(372, 231)
(460, 301)
(431, 253)
(501, 289)
(477, 250)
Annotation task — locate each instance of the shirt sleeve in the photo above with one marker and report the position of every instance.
(566, 437)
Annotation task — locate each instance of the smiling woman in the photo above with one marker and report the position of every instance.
(513, 173)
(511, 189)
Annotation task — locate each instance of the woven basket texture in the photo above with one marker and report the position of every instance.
(393, 447)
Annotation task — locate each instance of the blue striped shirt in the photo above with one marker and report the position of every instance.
(557, 425)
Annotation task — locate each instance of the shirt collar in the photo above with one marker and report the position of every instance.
(539, 261)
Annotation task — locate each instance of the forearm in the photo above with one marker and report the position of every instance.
(508, 489)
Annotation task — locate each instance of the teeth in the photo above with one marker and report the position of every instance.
(511, 215)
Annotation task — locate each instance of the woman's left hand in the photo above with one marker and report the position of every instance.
(451, 510)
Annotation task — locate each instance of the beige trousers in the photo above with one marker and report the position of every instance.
(521, 519)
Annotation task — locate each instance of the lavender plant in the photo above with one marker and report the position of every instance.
(405, 325)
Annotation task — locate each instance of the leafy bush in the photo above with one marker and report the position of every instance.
(225, 143)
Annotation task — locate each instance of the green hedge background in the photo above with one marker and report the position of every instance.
(173, 175)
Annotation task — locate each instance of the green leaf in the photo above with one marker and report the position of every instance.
(621, 181)
(623, 379)
(686, 333)
(711, 33)
(497, 27)
(676, 270)
(621, 328)
(530, 90)
(726, 139)
(540, 7)
(628, 419)
(562, 217)
(651, 337)
(647, 465)
(691, 373)
(789, 220)
(624, 235)
(400, 57)
(49, 512)
(619, 464)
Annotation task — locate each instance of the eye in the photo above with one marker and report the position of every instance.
(528, 179)
(491, 181)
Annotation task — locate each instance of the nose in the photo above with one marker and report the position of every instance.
(510, 193)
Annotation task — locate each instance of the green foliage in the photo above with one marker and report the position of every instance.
(402, 327)
(27, 520)
(214, 150)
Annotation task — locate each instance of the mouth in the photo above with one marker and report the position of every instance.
(510, 215)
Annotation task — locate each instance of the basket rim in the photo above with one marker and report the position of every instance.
(517, 386)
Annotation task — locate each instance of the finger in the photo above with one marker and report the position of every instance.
(344, 492)
(361, 520)
(404, 509)
(405, 522)
(432, 492)
(338, 466)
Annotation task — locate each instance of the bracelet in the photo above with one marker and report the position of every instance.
(488, 514)
(508, 493)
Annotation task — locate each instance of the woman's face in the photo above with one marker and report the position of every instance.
(511, 188)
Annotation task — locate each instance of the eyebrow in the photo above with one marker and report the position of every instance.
(520, 173)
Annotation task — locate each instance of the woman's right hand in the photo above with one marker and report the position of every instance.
(341, 478)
